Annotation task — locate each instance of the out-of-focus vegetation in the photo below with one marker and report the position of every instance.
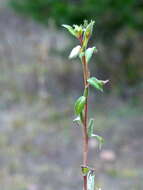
(110, 15)
(119, 29)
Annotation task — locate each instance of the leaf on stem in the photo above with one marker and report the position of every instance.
(87, 33)
(89, 52)
(75, 52)
(90, 127)
(79, 105)
(90, 132)
(70, 29)
(89, 28)
(78, 30)
(98, 84)
(99, 139)
(75, 30)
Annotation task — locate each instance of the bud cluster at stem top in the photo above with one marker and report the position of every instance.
(82, 32)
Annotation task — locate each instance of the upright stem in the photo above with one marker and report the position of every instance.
(83, 34)
(85, 135)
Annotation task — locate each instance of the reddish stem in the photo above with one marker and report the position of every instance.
(85, 135)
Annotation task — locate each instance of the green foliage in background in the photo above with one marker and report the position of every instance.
(110, 14)
(119, 22)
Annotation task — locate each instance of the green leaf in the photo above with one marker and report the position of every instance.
(98, 84)
(90, 132)
(78, 30)
(75, 52)
(70, 29)
(89, 29)
(99, 139)
(85, 170)
(90, 127)
(91, 181)
(87, 33)
(79, 104)
(89, 52)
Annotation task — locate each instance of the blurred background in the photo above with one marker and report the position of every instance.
(40, 147)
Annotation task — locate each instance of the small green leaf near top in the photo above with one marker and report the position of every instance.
(98, 84)
(79, 105)
(89, 52)
(89, 29)
(78, 30)
(70, 29)
(75, 30)
(87, 33)
(75, 52)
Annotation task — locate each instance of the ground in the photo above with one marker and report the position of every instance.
(41, 148)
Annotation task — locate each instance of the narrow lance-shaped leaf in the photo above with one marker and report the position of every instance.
(89, 52)
(70, 29)
(87, 33)
(89, 28)
(79, 105)
(75, 52)
(98, 84)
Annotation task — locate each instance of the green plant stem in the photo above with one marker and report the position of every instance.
(85, 135)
